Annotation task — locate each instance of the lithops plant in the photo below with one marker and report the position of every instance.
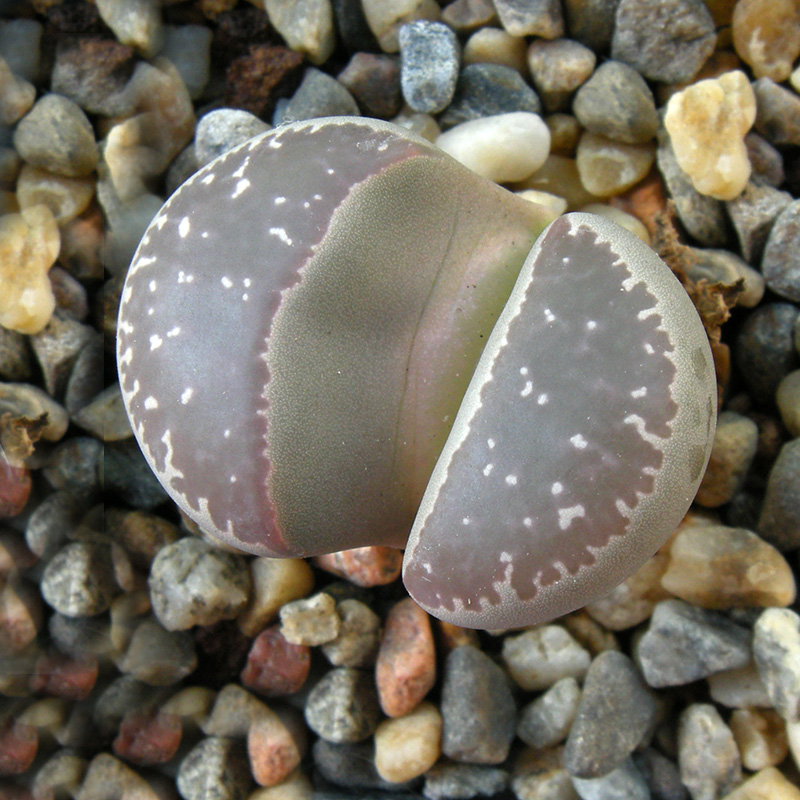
(335, 334)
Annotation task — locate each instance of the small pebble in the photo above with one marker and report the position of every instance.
(319, 95)
(108, 777)
(148, 739)
(496, 46)
(405, 670)
(274, 666)
(65, 197)
(343, 706)
(20, 41)
(738, 688)
(779, 522)
(760, 736)
(193, 583)
(446, 780)
(352, 767)
(765, 160)
(723, 266)
(137, 24)
(124, 695)
(707, 754)
(359, 636)
(541, 774)
(408, 746)
(684, 643)
(63, 771)
(15, 489)
(16, 363)
(660, 774)
(21, 615)
(188, 47)
(608, 167)
(559, 176)
(781, 260)
(364, 566)
(477, 707)
(591, 22)
(235, 710)
(73, 464)
(558, 68)
(753, 214)
(128, 476)
(776, 647)
(158, 657)
(16, 95)
(305, 25)
(532, 18)
(57, 348)
(558, 205)
(546, 721)
(386, 17)
(769, 784)
(351, 24)
(539, 657)
(766, 35)
(105, 416)
(465, 16)
(374, 82)
(623, 783)
(502, 148)
(221, 130)
(777, 113)
(665, 41)
(622, 218)
(311, 621)
(787, 397)
(276, 744)
(429, 64)
(21, 400)
(565, 132)
(215, 767)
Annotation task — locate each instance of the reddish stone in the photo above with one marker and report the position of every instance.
(15, 488)
(148, 739)
(58, 675)
(364, 566)
(374, 81)
(272, 749)
(274, 666)
(18, 745)
(406, 666)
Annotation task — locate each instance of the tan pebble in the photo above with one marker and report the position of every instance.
(423, 125)
(16, 95)
(496, 46)
(305, 25)
(707, 123)
(738, 688)
(760, 736)
(29, 245)
(453, 636)
(141, 29)
(276, 581)
(192, 704)
(719, 567)
(735, 443)
(405, 670)
(385, 17)
(295, 787)
(20, 615)
(766, 35)
(793, 735)
(608, 168)
(788, 400)
(622, 218)
(234, 711)
(364, 566)
(541, 774)
(312, 621)
(769, 784)
(559, 176)
(65, 197)
(589, 633)
(275, 745)
(108, 778)
(795, 80)
(553, 202)
(565, 133)
(408, 746)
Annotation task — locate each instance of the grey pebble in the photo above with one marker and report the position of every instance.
(765, 161)
(79, 579)
(781, 262)
(777, 112)
(343, 706)
(53, 521)
(123, 695)
(478, 710)
(617, 102)
(20, 46)
(55, 135)
(16, 362)
(351, 23)
(723, 266)
(86, 378)
(558, 68)
(80, 636)
(188, 47)
(664, 40)
(467, 16)
(72, 299)
(616, 710)
(446, 780)
(623, 783)
(126, 474)
(660, 774)
(684, 643)
(764, 351)
(194, 583)
(319, 95)
(753, 213)
(531, 17)
(222, 129)
(484, 90)
(215, 769)
(57, 349)
(158, 657)
(74, 463)
(105, 417)
(708, 757)
(776, 646)
(779, 522)
(356, 644)
(352, 766)
(591, 22)
(183, 166)
(430, 57)
(374, 82)
(546, 721)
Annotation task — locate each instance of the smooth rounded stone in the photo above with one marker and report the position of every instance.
(158, 657)
(126, 475)
(352, 766)
(760, 736)
(66, 197)
(502, 148)
(86, 379)
(374, 82)
(768, 784)
(79, 636)
(546, 721)
(622, 218)
(222, 129)
(496, 46)
(664, 41)
(541, 774)
(660, 774)
(193, 583)
(557, 205)
(538, 658)
(215, 767)
(275, 582)
(343, 706)
(484, 90)
(429, 64)
(274, 666)
(558, 68)
(423, 125)
(26, 401)
(407, 747)
(707, 754)
(181, 169)
(608, 168)
(405, 669)
(765, 160)
(29, 246)
(276, 745)
(364, 566)
(781, 260)
(188, 47)
(738, 688)
(732, 453)
(623, 783)
(446, 780)
(359, 636)
(465, 16)
(787, 397)
(319, 95)
(296, 786)
(719, 567)
(386, 17)
(127, 223)
(615, 711)
(57, 348)
(565, 132)
(531, 17)
(684, 643)
(722, 266)
(703, 217)
(16, 363)
(707, 123)
(79, 579)
(16, 95)
(477, 708)
(617, 103)
(105, 416)
(136, 23)
(305, 25)
(63, 771)
(234, 711)
(559, 176)
(777, 113)
(776, 647)
(765, 352)
(20, 615)
(55, 135)
(311, 621)
(753, 214)
(109, 777)
(766, 35)
(20, 41)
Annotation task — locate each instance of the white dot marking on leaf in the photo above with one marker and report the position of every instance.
(557, 488)
(279, 201)
(566, 515)
(527, 390)
(171, 334)
(578, 441)
(640, 392)
(152, 286)
(549, 315)
(209, 178)
(523, 370)
(491, 443)
(511, 480)
(184, 226)
(591, 325)
(241, 187)
(187, 395)
(465, 521)
(488, 469)
(155, 342)
(150, 403)
(226, 282)
(527, 522)
(543, 399)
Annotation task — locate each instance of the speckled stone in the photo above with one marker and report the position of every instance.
(776, 647)
(723, 266)
(477, 707)
(359, 636)
(374, 81)
(447, 780)
(215, 767)
(343, 706)
(546, 721)
(558, 68)
(429, 63)
(684, 643)
(310, 621)
(305, 25)
(319, 95)
(781, 261)
(624, 782)
(777, 113)
(539, 657)
(531, 17)
(707, 754)
(222, 129)
(753, 214)
(385, 18)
